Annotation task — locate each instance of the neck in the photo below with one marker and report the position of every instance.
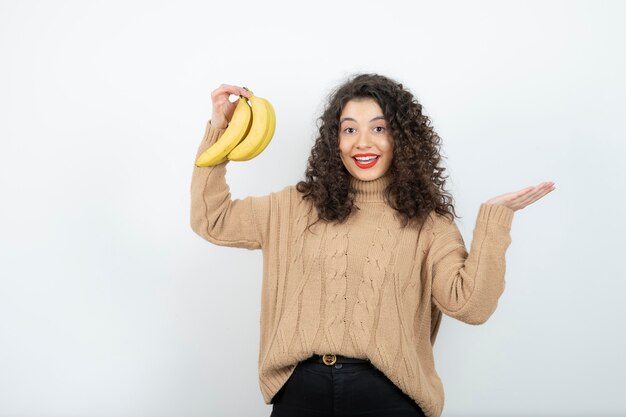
(373, 190)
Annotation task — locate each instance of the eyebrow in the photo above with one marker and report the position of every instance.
(350, 118)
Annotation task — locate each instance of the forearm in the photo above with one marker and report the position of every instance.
(467, 286)
(214, 215)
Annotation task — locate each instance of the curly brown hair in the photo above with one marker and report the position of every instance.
(417, 180)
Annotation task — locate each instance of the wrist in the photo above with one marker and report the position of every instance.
(218, 125)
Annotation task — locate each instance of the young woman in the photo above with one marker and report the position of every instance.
(361, 259)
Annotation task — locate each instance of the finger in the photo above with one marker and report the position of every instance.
(230, 108)
(517, 194)
(222, 94)
(245, 92)
(528, 195)
(230, 90)
(515, 198)
(539, 192)
(523, 192)
(544, 191)
(529, 192)
(531, 195)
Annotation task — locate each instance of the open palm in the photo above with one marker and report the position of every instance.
(519, 199)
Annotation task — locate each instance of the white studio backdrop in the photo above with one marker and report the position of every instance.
(110, 305)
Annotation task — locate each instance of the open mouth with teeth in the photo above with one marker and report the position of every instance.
(366, 161)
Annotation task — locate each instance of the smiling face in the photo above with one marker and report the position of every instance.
(363, 131)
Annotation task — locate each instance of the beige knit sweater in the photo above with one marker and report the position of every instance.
(367, 288)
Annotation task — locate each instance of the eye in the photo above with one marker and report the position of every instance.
(380, 127)
(347, 129)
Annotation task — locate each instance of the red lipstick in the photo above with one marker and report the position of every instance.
(368, 164)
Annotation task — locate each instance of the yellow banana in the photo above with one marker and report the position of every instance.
(261, 131)
(268, 138)
(236, 131)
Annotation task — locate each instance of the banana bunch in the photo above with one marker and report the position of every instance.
(249, 132)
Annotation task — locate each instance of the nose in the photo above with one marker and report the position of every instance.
(363, 141)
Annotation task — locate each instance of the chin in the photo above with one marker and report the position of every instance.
(368, 176)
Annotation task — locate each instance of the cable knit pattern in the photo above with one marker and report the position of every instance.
(377, 258)
(367, 288)
(310, 296)
(334, 269)
(291, 323)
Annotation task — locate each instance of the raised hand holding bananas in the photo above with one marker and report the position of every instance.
(261, 130)
(249, 127)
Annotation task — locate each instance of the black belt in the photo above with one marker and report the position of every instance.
(333, 359)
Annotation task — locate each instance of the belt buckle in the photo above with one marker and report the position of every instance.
(329, 359)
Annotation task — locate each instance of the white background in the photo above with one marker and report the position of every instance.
(111, 306)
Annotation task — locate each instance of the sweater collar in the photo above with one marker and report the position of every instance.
(373, 190)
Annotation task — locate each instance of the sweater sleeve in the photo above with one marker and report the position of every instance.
(467, 286)
(240, 223)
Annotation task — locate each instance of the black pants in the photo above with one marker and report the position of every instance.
(341, 390)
